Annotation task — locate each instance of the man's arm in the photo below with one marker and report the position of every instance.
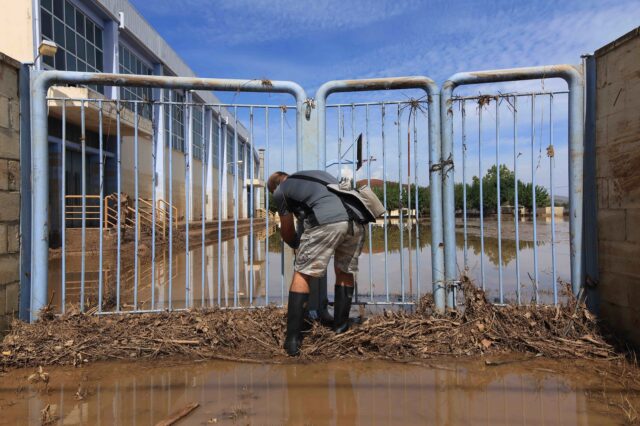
(288, 230)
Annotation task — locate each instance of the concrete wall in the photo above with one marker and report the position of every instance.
(16, 21)
(9, 190)
(618, 183)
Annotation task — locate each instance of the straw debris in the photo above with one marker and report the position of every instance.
(481, 328)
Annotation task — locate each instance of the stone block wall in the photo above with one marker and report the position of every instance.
(9, 191)
(618, 183)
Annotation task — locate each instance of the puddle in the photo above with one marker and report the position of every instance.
(227, 275)
(372, 392)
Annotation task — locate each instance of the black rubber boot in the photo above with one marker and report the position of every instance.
(341, 308)
(325, 317)
(295, 322)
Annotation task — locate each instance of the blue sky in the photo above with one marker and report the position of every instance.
(314, 41)
(311, 42)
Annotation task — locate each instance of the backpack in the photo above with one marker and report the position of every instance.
(367, 202)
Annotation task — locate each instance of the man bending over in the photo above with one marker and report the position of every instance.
(327, 225)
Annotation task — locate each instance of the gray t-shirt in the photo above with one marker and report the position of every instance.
(310, 200)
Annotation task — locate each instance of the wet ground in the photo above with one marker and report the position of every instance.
(371, 392)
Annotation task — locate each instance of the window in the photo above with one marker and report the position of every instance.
(79, 39)
(215, 143)
(129, 63)
(196, 132)
(175, 113)
(230, 152)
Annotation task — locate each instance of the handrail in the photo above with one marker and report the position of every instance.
(73, 212)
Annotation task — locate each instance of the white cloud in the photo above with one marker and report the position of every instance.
(258, 21)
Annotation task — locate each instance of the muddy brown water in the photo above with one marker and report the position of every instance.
(372, 392)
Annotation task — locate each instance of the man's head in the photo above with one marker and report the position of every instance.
(276, 179)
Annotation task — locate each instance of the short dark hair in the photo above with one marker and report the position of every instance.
(274, 180)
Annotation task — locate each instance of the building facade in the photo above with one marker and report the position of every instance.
(111, 36)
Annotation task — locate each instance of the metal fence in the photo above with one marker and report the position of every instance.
(170, 212)
(509, 146)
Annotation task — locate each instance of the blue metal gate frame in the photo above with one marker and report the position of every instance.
(311, 146)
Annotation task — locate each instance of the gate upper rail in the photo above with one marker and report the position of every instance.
(40, 83)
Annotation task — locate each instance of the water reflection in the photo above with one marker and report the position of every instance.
(250, 271)
(537, 392)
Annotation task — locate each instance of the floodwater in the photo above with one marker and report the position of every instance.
(250, 270)
(371, 392)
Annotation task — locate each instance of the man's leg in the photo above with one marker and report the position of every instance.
(318, 301)
(345, 263)
(342, 301)
(298, 299)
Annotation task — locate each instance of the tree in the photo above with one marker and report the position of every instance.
(507, 191)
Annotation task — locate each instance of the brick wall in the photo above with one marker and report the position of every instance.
(618, 183)
(9, 190)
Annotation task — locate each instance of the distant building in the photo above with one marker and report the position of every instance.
(112, 36)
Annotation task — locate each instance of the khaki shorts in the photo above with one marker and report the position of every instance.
(319, 243)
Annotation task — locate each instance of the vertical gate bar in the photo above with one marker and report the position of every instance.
(203, 162)
(83, 147)
(353, 161)
(250, 201)
(100, 203)
(137, 205)
(340, 134)
(500, 284)
(400, 204)
(354, 148)
(282, 242)
(366, 130)
(386, 212)
(222, 140)
(516, 213)
(186, 142)
(154, 154)
(266, 196)
(552, 164)
(533, 198)
(417, 213)
(481, 194)
(464, 184)
(63, 191)
(119, 208)
(235, 206)
(171, 112)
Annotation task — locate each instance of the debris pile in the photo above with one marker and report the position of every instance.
(566, 331)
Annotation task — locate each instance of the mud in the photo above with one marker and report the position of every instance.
(346, 392)
(567, 331)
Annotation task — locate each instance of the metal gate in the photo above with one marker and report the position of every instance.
(153, 245)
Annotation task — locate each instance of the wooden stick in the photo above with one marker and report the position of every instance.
(178, 415)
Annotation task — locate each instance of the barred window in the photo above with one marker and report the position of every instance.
(175, 113)
(196, 132)
(130, 63)
(79, 39)
(215, 143)
(230, 152)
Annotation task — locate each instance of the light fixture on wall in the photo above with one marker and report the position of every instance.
(46, 48)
